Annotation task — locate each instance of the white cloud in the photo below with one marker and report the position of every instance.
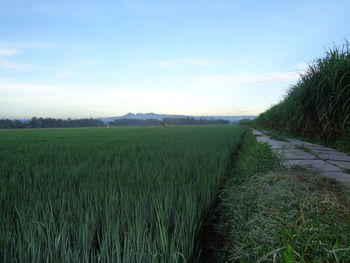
(2, 80)
(15, 65)
(11, 64)
(199, 62)
(302, 66)
(63, 101)
(245, 79)
(185, 94)
(165, 64)
(8, 52)
(65, 75)
(196, 62)
(36, 45)
(15, 46)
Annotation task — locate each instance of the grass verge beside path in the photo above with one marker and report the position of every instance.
(269, 214)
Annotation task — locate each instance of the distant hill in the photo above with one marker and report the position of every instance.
(144, 116)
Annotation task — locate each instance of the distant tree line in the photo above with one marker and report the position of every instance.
(90, 122)
(166, 121)
(245, 122)
(192, 121)
(134, 122)
(50, 123)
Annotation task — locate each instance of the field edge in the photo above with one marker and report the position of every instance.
(271, 214)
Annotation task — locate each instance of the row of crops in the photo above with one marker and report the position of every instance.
(109, 195)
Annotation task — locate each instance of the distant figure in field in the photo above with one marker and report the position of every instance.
(163, 123)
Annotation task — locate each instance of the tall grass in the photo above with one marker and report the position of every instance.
(109, 195)
(318, 106)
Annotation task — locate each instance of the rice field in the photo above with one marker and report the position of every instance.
(109, 195)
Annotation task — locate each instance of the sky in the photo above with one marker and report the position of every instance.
(104, 58)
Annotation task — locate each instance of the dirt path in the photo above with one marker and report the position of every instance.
(328, 162)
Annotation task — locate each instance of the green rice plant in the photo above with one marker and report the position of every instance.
(109, 195)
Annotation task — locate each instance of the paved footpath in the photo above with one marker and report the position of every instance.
(328, 162)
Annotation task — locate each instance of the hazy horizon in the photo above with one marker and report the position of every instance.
(102, 117)
(100, 59)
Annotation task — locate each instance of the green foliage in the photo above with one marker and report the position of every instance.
(246, 122)
(49, 123)
(271, 215)
(193, 121)
(167, 121)
(109, 195)
(254, 158)
(318, 106)
(134, 122)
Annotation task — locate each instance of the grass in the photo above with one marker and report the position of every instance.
(109, 195)
(270, 214)
(308, 150)
(346, 170)
(318, 106)
(274, 136)
(343, 144)
(304, 148)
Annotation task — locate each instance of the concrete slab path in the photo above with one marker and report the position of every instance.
(293, 152)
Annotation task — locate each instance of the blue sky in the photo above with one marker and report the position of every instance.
(106, 58)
